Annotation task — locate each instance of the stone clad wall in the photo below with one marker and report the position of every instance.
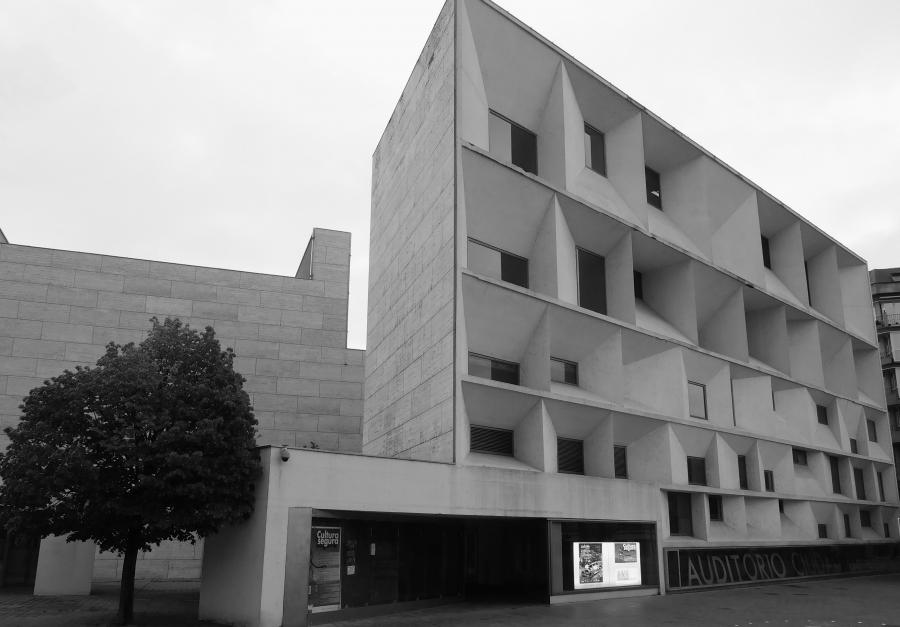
(59, 309)
(409, 360)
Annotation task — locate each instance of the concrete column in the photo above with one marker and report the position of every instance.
(296, 567)
(64, 567)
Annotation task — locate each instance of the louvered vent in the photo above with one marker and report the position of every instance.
(570, 455)
(490, 440)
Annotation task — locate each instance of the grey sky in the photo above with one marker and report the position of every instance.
(220, 133)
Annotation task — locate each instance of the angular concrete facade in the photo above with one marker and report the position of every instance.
(58, 310)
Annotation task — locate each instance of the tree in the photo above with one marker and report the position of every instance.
(156, 442)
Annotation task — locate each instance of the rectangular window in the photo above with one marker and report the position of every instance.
(854, 446)
(680, 518)
(847, 526)
(890, 380)
(865, 518)
(835, 474)
(509, 141)
(594, 150)
(800, 457)
(860, 481)
(780, 506)
(742, 472)
(638, 285)
(697, 400)
(654, 189)
(767, 256)
(880, 481)
(716, 511)
(493, 369)
(620, 458)
(591, 281)
(873, 432)
(491, 440)
(563, 371)
(498, 264)
(696, 467)
(887, 530)
(895, 417)
(808, 287)
(769, 477)
(823, 530)
(570, 456)
(822, 414)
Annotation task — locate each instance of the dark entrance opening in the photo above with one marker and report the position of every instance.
(506, 559)
(18, 560)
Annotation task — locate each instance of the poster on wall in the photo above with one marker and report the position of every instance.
(325, 569)
(606, 564)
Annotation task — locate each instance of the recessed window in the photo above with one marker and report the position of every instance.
(594, 150)
(780, 506)
(562, 371)
(873, 431)
(742, 472)
(696, 467)
(895, 417)
(880, 481)
(491, 440)
(847, 526)
(570, 456)
(591, 281)
(854, 445)
(890, 380)
(860, 481)
(680, 517)
(835, 474)
(822, 414)
(499, 264)
(769, 478)
(865, 518)
(799, 457)
(620, 459)
(638, 285)
(766, 254)
(654, 190)
(493, 369)
(823, 530)
(697, 400)
(715, 507)
(887, 530)
(513, 143)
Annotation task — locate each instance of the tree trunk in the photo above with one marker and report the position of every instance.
(126, 589)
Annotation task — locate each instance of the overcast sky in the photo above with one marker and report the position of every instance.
(220, 133)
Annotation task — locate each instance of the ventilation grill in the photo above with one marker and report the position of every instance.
(493, 441)
(570, 455)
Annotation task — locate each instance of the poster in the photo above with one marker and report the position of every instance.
(606, 564)
(325, 569)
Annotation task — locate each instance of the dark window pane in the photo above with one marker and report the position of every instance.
(697, 400)
(865, 518)
(594, 150)
(847, 525)
(591, 281)
(887, 530)
(523, 146)
(680, 520)
(823, 530)
(620, 456)
(781, 506)
(570, 455)
(835, 474)
(769, 477)
(563, 371)
(654, 190)
(742, 472)
(479, 366)
(854, 446)
(696, 470)
(715, 507)
(799, 457)
(638, 285)
(491, 440)
(860, 482)
(880, 486)
(514, 269)
(767, 257)
(822, 414)
(505, 371)
(873, 432)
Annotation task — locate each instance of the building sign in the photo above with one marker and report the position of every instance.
(606, 564)
(701, 568)
(325, 569)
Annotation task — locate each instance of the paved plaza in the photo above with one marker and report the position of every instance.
(858, 601)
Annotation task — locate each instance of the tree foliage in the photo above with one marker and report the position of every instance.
(156, 442)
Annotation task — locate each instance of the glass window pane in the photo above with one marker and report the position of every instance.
(562, 371)
(654, 190)
(620, 453)
(514, 269)
(499, 140)
(505, 371)
(594, 150)
(742, 472)
(591, 281)
(479, 366)
(523, 148)
(484, 260)
(822, 414)
(697, 400)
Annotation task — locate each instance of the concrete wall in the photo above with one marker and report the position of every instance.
(409, 365)
(58, 309)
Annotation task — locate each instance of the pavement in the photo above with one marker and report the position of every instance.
(872, 601)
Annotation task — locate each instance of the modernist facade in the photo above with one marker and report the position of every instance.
(886, 299)
(599, 361)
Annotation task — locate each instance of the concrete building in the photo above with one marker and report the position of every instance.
(886, 299)
(599, 361)
(58, 310)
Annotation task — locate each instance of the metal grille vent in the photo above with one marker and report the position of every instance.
(490, 440)
(570, 455)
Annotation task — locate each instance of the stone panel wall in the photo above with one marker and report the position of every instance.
(409, 361)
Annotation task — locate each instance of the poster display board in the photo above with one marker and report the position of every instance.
(325, 569)
(606, 564)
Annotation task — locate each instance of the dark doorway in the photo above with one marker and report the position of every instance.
(506, 559)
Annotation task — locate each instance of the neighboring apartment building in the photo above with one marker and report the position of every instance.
(599, 361)
(58, 310)
(886, 299)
